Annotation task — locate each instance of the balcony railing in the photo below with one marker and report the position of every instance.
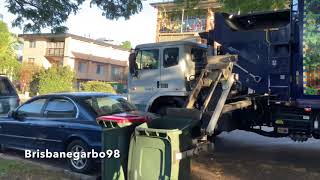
(188, 25)
(55, 52)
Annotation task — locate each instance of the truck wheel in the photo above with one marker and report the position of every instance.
(162, 109)
(81, 165)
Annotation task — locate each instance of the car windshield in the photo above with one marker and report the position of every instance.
(107, 105)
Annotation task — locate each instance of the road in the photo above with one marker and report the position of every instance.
(244, 155)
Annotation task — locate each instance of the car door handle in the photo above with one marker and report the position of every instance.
(61, 126)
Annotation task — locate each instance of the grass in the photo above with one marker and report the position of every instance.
(12, 169)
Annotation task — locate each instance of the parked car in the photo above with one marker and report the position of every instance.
(9, 98)
(64, 122)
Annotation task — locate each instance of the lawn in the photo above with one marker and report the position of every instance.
(13, 169)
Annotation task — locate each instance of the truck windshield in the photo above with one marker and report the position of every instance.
(106, 105)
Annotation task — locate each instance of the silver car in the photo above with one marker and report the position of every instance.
(9, 98)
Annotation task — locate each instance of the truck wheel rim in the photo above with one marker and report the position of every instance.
(81, 162)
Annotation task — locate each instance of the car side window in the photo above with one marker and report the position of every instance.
(60, 108)
(148, 59)
(32, 109)
(170, 57)
(6, 88)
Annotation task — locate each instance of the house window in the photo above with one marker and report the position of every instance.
(115, 73)
(32, 44)
(31, 60)
(82, 67)
(100, 69)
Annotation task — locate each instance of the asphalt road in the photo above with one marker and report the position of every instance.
(244, 155)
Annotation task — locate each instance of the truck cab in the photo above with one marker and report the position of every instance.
(161, 74)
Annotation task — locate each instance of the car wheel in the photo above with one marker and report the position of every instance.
(2, 148)
(81, 165)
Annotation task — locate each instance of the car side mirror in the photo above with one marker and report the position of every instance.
(133, 65)
(12, 114)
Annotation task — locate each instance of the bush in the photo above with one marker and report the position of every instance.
(97, 86)
(311, 91)
(56, 79)
(28, 72)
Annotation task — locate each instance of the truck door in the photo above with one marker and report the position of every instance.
(146, 82)
(172, 76)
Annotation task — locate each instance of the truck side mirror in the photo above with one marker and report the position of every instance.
(132, 64)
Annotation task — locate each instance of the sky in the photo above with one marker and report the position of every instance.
(140, 28)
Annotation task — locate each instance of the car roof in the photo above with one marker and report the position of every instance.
(79, 94)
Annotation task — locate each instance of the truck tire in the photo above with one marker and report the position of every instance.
(162, 109)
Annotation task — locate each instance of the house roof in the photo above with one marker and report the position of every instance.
(99, 59)
(62, 36)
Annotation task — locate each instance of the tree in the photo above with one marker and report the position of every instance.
(56, 79)
(245, 6)
(126, 45)
(34, 15)
(28, 71)
(97, 86)
(9, 64)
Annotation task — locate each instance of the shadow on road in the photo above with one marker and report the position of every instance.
(243, 155)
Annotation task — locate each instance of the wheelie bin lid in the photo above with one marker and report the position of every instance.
(123, 119)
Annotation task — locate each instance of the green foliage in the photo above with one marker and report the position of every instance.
(311, 44)
(56, 79)
(27, 73)
(35, 15)
(126, 45)
(311, 36)
(98, 86)
(245, 6)
(9, 64)
(311, 91)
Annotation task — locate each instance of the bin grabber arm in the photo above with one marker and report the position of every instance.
(200, 148)
(226, 86)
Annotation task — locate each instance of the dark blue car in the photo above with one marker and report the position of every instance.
(64, 122)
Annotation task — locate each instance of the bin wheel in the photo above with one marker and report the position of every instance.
(81, 165)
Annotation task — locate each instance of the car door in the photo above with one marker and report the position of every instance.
(60, 122)
(146, 82)
(17, 131)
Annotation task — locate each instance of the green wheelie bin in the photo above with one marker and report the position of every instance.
(158, 148)
(116, 134)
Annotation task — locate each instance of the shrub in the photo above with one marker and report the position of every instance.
(97, 86)
(311, 91)
(28, 72)
(56, 79)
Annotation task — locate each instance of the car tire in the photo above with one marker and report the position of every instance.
(2, 148)
(81, 165)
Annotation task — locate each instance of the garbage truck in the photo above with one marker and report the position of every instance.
(269, 77)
